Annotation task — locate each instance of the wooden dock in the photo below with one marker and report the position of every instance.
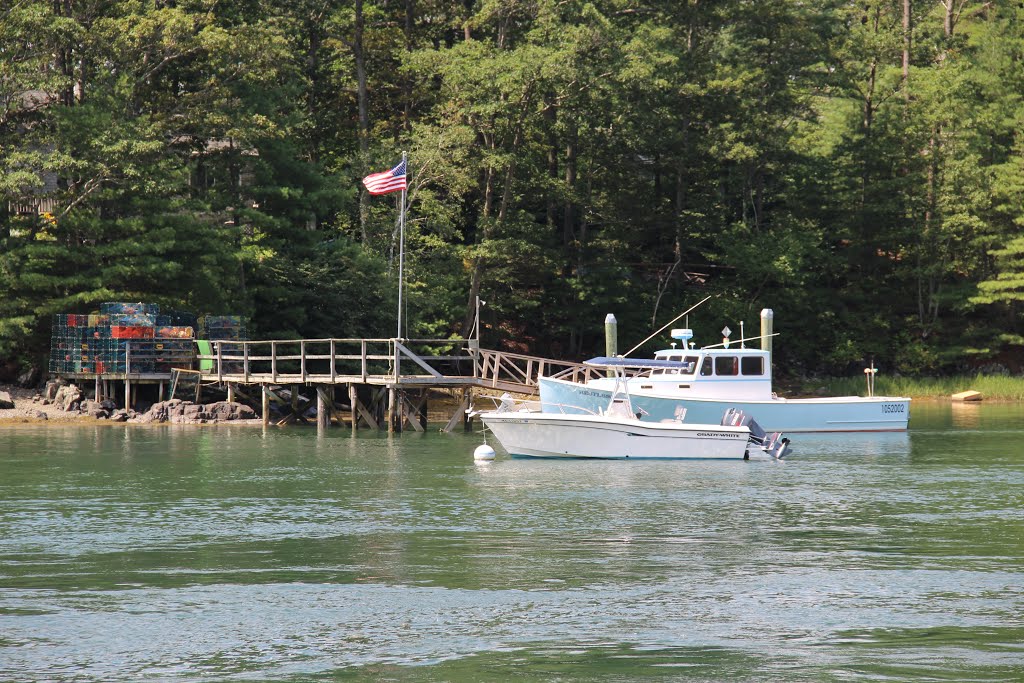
(378, 383)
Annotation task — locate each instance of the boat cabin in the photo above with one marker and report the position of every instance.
(736, 373)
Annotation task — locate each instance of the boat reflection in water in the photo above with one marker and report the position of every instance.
(846, 444)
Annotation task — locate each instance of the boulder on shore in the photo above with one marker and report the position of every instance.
(6, 402)
(177, 411)
(29, 378)
(52, 387)
(68, 398)
(94, 409)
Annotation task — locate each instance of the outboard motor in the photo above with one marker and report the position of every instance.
(772, 444)
(776, 445)
(734, 417)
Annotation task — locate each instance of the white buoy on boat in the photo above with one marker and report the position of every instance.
(483, 452)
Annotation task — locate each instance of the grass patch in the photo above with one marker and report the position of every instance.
(992, 387)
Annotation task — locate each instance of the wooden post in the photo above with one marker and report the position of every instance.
(352, 398)
(220, 362)
(231, 392)
(160, 393)
(323, 410)
(394, 411)
(266, 405)
(295, 402)
(302, 360)
(273, 362)
(96, 393)
(127, 382)
(334, 369)
(245, 360)
(364, 361)
(379, 406)
(398, 362)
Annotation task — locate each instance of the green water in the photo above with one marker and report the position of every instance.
(237, 554)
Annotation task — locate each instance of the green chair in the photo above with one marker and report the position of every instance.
(205, 364)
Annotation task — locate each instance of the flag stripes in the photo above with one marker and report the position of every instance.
(386, 181)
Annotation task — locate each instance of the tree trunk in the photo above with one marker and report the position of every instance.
(408, 84)
(476, 273)
(677, 246)
(364, 115)
(906, 48)
(927, 303)
(316, 36)
(550, 120)
(569, 219)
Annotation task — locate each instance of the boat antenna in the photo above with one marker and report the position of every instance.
(745, 339)
(686, 312)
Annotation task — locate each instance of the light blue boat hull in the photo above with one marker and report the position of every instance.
(837, 414)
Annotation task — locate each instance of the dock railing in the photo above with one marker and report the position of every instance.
(328, 361)
(438, 362)
(499, 366)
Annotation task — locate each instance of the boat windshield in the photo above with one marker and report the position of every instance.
(688, 365)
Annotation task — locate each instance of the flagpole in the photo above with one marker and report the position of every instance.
(401, 248)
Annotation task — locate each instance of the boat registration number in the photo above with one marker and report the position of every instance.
(894, 407)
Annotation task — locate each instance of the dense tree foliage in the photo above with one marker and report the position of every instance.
(856, 166)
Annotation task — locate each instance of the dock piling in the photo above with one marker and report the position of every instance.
(266, 405)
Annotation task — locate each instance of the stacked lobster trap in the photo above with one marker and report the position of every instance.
(128, 338)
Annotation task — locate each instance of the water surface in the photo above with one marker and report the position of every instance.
(237, 554)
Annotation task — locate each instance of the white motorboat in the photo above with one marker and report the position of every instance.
(705, 382)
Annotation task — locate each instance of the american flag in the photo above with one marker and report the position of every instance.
(386, 181)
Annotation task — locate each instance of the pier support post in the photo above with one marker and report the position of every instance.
(265, 405)
(421, 410)
(231, 392)
(395, 410)
(323, 410)
(352, 400)
(380, 407)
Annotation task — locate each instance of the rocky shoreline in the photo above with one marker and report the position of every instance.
(62, 402)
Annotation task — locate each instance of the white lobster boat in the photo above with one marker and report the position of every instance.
(705, 382)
